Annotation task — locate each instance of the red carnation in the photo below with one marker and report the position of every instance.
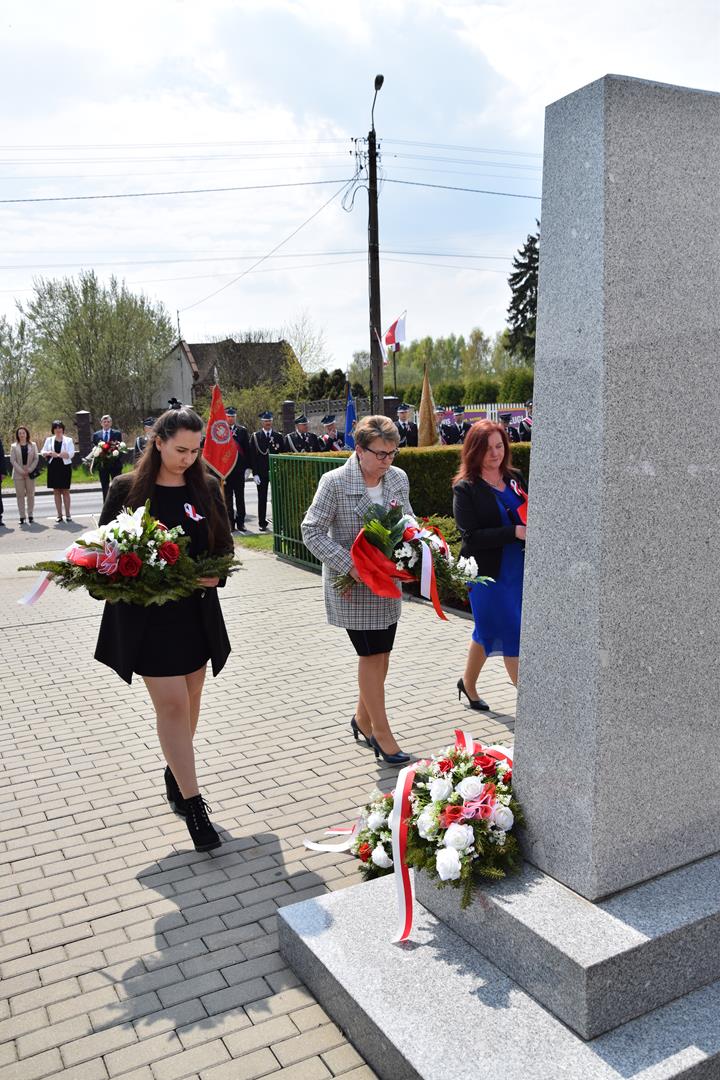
(364, 852)
(507, 777)
(410, 533)
(130, 564)
(169, 552)
(451, 815)
(445, 765)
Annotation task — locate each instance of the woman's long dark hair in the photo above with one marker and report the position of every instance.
(196, 477)
(474, 449)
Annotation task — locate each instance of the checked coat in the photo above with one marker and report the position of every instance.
(329, 528)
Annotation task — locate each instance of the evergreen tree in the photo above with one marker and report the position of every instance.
(522, 313)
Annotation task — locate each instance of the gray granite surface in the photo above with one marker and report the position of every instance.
(595, 966)
(620, 783)
(433, 1008)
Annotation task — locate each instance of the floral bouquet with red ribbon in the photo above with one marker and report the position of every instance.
(105, 453)
(393, 547)
(134, 558)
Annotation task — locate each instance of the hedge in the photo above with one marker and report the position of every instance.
(431, 470)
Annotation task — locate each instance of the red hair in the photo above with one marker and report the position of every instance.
(474, 449)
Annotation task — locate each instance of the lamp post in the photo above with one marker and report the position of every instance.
(376, 359)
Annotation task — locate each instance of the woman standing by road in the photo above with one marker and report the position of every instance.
(23, 461)
(169, 644)
(59, 450)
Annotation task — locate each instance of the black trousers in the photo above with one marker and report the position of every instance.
(262, 501)
(235, 493)
(106, 478)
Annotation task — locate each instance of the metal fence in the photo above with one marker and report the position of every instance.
(294, 479)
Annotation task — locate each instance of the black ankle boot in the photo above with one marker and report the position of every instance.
(200, 827)
(174, 795)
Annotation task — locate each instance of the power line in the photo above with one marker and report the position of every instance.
(184, 191)
(466, 149)
(449, 187)
(277, 247)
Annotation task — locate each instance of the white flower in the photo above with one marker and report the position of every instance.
(468, 567)
(375, 821)
(459, 837)
(427, 824)
(440, 789)
(447, 864)
(116, 453)
(381, 858)
(413, 558)
(502, 816)
(94, 536)
(470, 787)
(129, 524)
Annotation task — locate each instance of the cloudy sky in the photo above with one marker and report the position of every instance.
(165, 95)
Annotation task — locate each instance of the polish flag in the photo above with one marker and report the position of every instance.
(396, 334)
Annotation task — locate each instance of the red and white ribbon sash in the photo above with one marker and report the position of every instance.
(523, 508)
(37, 590)
(192, 512)
(399, 829)
(349, 831)
(428, 583)
(465, 741)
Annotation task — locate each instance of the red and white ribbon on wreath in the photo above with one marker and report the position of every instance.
(465, 741)
(523, 508)
(428, 584)
(42, 582)
(399, 829)
(348, 831)
(192, 513)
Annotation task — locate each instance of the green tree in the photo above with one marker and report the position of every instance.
(17, 373)
(517, 384)
(98, 347)
(522, 313)
(475, 354)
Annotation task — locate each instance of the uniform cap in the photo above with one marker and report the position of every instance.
(231, 410)
(528, 404)
(506, 417)
(458, 410)
(404, 407)
(327, 420)
(267, 415)
(302, 419)
(149, 421)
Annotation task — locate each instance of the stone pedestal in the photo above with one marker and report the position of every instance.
(84, 432)
(611, 936)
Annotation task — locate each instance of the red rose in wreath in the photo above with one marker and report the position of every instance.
(130, 564)
(364, 852)
(169, 552)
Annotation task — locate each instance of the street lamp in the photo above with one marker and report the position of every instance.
(376, 359)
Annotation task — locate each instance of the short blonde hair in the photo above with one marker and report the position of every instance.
(375, 427)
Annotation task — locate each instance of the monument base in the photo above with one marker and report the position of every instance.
(434, 1008)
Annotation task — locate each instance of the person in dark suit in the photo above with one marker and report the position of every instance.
(108, 433)
(440, 411)
(264, 442)
(505, 420)
(141, 441)
(169, 645)
(407, 428)
(455, 430)
(301, 440)
(3, 471)
(490, 509)
(525, 425)
(332, 439)
(235, 481)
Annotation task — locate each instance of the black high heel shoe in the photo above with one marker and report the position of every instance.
(357, 732)
(390, 759)
(174, 795)
(474, 703)
(202, 832)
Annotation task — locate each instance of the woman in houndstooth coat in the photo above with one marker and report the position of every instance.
(330, 526)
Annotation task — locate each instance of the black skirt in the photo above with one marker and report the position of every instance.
(373, 642)
(59, 475)
(173, 640)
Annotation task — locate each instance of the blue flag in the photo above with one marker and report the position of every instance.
(349, 420)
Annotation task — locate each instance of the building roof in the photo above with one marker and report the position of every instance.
(243, 363)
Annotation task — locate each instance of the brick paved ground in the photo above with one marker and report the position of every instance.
(123, 952)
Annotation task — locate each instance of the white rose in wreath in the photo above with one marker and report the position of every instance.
(375, 821)
(381, 858)
(447, 864)
(470, 787)
(459, 837)
(440, 789)
(502, 816)
(426, 824)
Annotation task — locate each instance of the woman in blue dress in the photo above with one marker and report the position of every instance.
(489, 500)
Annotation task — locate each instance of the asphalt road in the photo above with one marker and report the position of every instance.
(85, 503)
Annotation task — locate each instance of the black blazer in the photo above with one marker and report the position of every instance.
(478, 518)
(121, 627)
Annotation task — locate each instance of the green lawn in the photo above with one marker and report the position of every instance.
(80, 475)
(260, 542)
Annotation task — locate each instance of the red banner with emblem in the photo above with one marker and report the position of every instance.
(220, 450)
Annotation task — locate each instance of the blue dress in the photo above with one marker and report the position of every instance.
(497, 608)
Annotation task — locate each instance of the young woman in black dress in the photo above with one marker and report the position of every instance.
(170, 644)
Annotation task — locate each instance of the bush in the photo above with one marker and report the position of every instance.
(449, 393)
(483, 390)
(516, 384)
(430, 471)
(521, 458)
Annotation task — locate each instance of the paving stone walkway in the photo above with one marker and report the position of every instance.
(125, 953)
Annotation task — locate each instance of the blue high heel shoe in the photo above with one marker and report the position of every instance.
(357, 732)
(400, 758)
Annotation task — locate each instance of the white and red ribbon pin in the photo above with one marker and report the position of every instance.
(192, 513)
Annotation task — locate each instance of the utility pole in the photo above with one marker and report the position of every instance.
(377, 390)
